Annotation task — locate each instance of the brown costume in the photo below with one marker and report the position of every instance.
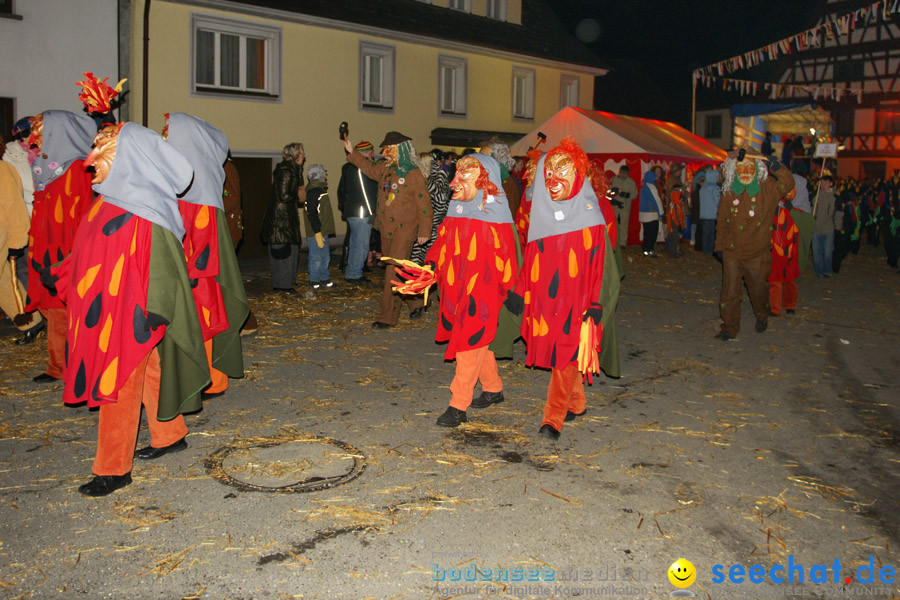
(403, 213)
(744, 236)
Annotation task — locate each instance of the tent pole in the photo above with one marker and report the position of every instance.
(694, 103)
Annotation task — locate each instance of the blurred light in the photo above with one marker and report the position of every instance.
(812, 131)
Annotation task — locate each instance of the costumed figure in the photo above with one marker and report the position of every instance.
(623, 191)
(568, 286)
(675, 220)
(475, 260)
(523, 215)
(62, 192)
(13, 242)
(216, 282)
(439, 192)
(783, 288)
(744, 236)
(134, 337)
(403, 214)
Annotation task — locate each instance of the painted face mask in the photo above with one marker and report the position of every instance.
(36, 139)
(104, 152)
(465, 183)
(390, 154)
(746, 171)
(562, 180)
(165, 130)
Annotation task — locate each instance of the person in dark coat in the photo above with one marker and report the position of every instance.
(281, 223)
(357, 197)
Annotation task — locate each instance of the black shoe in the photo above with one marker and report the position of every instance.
(380, 325)
(724, 336)
(149, 452)
(210, 395)
(452, 417)
(101, 485)
(44, 378)
(417, 313)
(32, 333)
(790, 311)
(570, 416)
(761, 326)
(289, 290)
(358, 281)
(774, 314)
(548, 432)
(486, 399)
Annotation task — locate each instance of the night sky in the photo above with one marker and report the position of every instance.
(670, 39)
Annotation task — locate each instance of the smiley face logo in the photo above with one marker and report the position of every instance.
(682, 573)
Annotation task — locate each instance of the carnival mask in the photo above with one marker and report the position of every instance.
(746, 171)
(791, 195)
(36, 139)
(104, 152)
(465, 182)
(390, 153)
(165, 130)
(560, 176)
(531, 162)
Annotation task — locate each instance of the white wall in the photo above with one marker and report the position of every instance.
(46, 52)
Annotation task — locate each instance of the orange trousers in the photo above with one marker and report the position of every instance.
(57, 324)
(565, 394)
(218, 378)
(786, 291)
(119, 421)
(473, 366)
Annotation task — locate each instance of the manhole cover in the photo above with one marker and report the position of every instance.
(285, 464)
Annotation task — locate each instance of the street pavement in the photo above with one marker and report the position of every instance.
(321, 474)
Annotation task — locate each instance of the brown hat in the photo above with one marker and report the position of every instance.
(392, 138)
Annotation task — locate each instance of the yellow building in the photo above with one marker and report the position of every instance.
(270, 72)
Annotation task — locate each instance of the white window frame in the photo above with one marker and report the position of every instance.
(496, 9)
(569, 86)
(271, 36)
(457, 105)
(387, 57)
(523, 108)
(463, 5)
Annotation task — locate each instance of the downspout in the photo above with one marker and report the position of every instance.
(145, 92)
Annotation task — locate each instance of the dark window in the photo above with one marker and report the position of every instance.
(6, 7)
(888, 121)
(872, 169)
(843, 121)
(713, 126)
(849, 70)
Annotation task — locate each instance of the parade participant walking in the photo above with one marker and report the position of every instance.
(281, 223)
(62, 192)
(783, 288)
(134, 336)
(823, 229)
(569, 284)
(522, 218)
(624, 191)
(650, 211)
(474, 260)
(403, 215)
(217, 286)
(744, 236)
(357, 195)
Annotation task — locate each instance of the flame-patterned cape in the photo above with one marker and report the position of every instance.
(785, 246)
(126, 287)
(62, 194)
(562, 274)
(212, 267)
(523, 216)
(476, 257)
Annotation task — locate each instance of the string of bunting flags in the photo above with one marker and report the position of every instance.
(780, 90)
(811, 38)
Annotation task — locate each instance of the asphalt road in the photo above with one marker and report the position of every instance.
(321, 473)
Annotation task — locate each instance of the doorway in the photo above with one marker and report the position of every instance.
(256, 186)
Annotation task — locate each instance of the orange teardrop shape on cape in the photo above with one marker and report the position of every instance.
(58, 211)
(496, 238)
(202, 218)
(507, 271)
(206, 314)
(88, 280)
(94, 209)
(536, 268)
(104, 334)
(68, 185)
(473, 249)
(74, 205)
(116, 278)
(451, 277)
(573, 263)
(471, 284)
(588, 240)
(443, 256)
(108, 379)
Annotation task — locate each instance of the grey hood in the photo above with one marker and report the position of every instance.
(67, 137)
(206, 148)
(496, 208)
(549, 218)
